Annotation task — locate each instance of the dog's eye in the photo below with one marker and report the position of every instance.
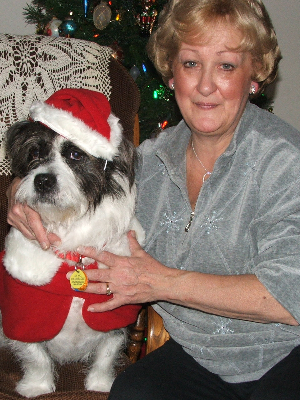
(34, 154)
(76, 155)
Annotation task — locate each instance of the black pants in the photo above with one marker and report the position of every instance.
(169, 373)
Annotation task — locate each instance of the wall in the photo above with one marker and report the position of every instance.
(285, 16)
(11, 17)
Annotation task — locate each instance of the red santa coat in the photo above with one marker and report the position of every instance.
(38, 313)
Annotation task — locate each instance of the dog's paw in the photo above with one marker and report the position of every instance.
(98, 383)
(31, 389)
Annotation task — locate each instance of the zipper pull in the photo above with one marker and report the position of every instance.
(187, 228)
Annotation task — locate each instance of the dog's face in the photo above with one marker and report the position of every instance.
(61, 181)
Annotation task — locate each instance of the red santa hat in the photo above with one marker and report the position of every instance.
(84, 117)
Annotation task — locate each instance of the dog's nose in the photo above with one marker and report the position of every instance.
(44, 182)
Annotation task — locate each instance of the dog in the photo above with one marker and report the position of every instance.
(79, 176)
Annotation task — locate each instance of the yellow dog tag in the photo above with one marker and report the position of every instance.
(78, 280)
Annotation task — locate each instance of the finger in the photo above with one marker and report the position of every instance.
(90, 252)
(17, 218)
(96, 288)
(133, 243)
(16, 214)
(26, 231)
(109, 259)
(54, 239)
(97, 276)
(108, 305)
(36, 226)
(103, 257)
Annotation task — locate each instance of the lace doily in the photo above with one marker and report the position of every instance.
(33, 67)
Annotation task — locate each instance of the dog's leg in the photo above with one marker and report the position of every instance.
(38, 369)
(101, 375)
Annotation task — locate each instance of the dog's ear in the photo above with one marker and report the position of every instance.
(14, 139)
(20, 139)
(126, 159)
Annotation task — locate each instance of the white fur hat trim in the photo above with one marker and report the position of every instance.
(75, 130)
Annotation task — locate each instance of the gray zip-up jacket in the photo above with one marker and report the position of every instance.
(247, 221)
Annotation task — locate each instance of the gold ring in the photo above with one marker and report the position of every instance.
(108, 291)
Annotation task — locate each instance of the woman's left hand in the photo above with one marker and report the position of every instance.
(131, 279)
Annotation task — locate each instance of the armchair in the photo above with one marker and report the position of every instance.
(33, 67)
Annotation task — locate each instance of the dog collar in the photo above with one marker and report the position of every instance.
(70, 256)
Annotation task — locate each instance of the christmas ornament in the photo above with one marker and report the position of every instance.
(118, 53)
(85, 7)
(52, 28)
(147, 17)
(144, 68)
(101, 15)
(134, 72)
(68, 27)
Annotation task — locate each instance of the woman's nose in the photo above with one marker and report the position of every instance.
(206, 84)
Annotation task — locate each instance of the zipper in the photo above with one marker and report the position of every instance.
(187, 228)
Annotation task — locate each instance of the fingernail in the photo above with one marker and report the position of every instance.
(133, 234)
(69, 275)
(80, 249)
(57, 243)
(44, 246)
(91, 309)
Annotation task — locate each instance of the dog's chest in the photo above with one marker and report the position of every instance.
(76, 340)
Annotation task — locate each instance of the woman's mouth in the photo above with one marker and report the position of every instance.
(206, 106)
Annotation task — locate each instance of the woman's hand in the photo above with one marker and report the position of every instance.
(26, 220)
(141, 279)
(132, 280)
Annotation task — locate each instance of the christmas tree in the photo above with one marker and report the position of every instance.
(125, 26)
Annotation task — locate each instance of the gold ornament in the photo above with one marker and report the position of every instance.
(101, 15)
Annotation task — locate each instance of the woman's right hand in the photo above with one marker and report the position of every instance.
(26, 220)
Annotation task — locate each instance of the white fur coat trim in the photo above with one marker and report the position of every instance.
(72, 128)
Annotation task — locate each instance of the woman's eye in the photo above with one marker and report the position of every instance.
(190, 64)
(227, 67)
(76, 155)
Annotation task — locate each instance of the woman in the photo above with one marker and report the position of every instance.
(219, 199)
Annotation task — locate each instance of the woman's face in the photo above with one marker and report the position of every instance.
(212, 83)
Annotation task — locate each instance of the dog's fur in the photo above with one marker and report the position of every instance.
(85, 204)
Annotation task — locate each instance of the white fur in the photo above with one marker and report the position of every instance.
(107, 228)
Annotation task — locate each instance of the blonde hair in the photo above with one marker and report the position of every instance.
(192, 21)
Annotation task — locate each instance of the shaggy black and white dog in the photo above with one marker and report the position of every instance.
(86, 200)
